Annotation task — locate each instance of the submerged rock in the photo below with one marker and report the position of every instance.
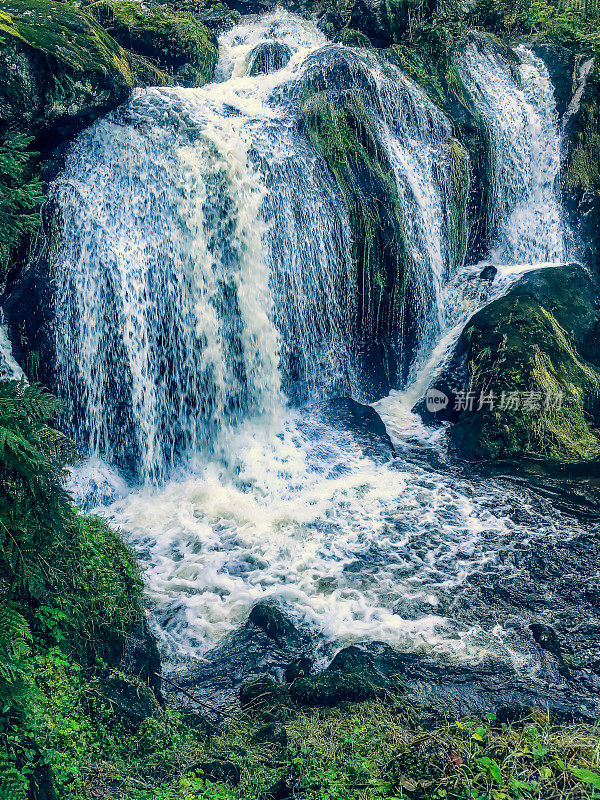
(524, 379)
(363, 423)
(269, 57)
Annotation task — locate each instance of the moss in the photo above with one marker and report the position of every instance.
(352, 38)
(460, 175)
(345, 136)
(174, 39)
(583, 169)
(68, 35)
(517, 346)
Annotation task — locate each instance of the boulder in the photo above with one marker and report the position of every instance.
(130, 698)
(175, 40)
(59, 69)
(362, 422)
(332, 687)
(525, 374)
(268, 57)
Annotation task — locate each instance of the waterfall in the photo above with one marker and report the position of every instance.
(206, 260)
(9, 369)
(520, 112)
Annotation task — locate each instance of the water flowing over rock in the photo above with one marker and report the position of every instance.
(525, 146)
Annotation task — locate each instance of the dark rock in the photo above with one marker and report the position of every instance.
(332, 687)
(264, 692)
(141, 657)
(352, 659)
(273, 733)
(547, 639)
(275, 624)
(221, 772)
(299, 668)
(269, 57)
(58, 69)
(561, 64)
(282, 788)
(488, 273)
(244, 654)
(131, 699)
(218, 20)
(362, 422)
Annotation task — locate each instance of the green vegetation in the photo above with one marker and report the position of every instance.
(173, 39)
(346, 138)
(20, 197)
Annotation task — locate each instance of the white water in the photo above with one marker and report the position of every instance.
(525, 140)
(9, 369)
(207, 265)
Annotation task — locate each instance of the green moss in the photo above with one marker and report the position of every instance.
(583, 168)
(352, 38)
(517, 346)
(173, 39)
(460, 175)
(346, 138)
(68, 35)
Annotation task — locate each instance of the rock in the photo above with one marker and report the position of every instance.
(268, 57)
(540, 345)
(351, 38)
(488, 273)
(562, 68)
(273, 733)
(59, 70)
(275, 624)
(141, 657)
(298, 669)
(362, 422)
(130, 698)
(352, 659)
(262, 693)
(175, 40)
(218, 20)
(332, 687)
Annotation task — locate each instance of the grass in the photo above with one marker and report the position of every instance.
(369, 751)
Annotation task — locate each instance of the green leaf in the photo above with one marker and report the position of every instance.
(586, 776)
(492, 768)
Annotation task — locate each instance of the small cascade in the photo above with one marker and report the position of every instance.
(9, 369)
(520, 112)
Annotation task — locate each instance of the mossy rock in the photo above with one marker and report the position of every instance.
(58, 68)
(174, 40)
(259, 694)
(269, 57)
(538, 344)
(130, 698)
(275, 624)
(351, 38)
(332, 687)
(336, 119)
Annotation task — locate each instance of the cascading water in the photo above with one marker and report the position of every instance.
(206, 272)
(525, 141)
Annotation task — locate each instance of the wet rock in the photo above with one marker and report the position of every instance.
(275, 624)
(269, 57)
(131, 699)
(540, 345)
(562, 65)
(332, 687)
(219, 20)
(261, 693)
(488, 273)
(362, 422)
(547, 639)
(265, 645)
(274, 733)
(352, 659)
(299, 668)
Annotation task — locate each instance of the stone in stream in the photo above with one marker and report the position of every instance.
(362, 422)
(269, 57)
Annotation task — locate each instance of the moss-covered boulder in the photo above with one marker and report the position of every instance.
(336, 118)
(58, 68)
(268, 57)
(173, 39)
(525, 377)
